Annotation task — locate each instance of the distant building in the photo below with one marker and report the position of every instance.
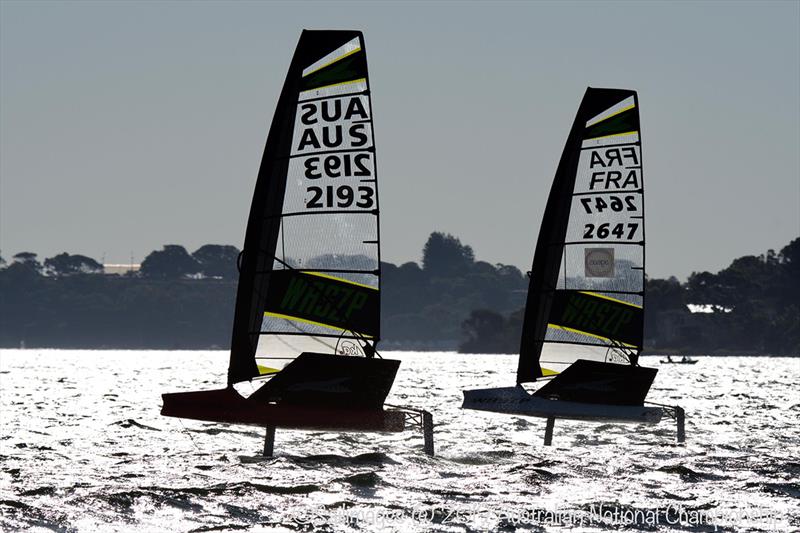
(116, 269)
(707, 308)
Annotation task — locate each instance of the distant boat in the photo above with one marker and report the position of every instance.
(307, 316)
(681, 361)
(583, 326)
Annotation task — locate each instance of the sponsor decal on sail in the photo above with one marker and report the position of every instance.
(599, 262)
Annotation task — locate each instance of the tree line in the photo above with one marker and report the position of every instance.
(179, 299)
(448, 300)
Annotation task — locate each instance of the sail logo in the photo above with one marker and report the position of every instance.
(597, 316)
(324, 301)
(599, 262)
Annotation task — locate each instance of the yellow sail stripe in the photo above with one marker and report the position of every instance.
(612, 135)
(332, 61)
(610, 298)
(288, 317)
(359, 80)
(589, 125)
(579, 332)
(328, 276)
(266, 370)
(547, 372)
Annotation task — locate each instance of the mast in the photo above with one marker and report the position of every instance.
(585, 296)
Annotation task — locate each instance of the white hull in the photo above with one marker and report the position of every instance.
(515, 400)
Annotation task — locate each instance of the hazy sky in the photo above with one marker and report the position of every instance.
(126, 126)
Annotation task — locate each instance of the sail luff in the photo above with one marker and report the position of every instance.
(263, 227)
(547, 256)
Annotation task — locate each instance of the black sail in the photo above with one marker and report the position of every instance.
(309, 271)
(586, 293)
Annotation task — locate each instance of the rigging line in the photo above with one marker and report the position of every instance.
(593, 289)
(332, 212)
(617, 191)
(332, 96)
(373, 272)
(579, 343)
(277, 332)
(369, 149)
(637, 143)
(319, 340)
(606, 241)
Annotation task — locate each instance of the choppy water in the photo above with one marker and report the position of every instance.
(83, 448)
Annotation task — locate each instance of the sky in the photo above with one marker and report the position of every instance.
(125, 126)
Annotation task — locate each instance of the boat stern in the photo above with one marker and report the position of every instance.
(498, 400)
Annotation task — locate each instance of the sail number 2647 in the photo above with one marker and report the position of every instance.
(615, 203)
(604, 231)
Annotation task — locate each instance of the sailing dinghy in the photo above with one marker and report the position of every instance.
(584, 317)
(307, 316)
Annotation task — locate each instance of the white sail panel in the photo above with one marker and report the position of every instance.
(340, 53)
(612, 139)
(556, 357)
(625, 105)
(358, 85)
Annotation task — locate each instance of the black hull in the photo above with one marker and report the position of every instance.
(331, 380)
(315, 391)
(600, 383)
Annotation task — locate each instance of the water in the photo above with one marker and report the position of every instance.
(83, 448)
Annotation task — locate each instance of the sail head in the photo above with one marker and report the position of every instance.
(586, 294)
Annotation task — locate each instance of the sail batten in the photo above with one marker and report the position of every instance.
(586, 294)
(310, 264)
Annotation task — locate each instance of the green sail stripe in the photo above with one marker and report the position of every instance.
(621, 123)
(350, 68)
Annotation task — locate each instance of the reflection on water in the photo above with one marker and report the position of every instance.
(84, 448)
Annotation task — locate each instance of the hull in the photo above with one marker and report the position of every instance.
(664, 362)
(314, 392)
(228, 406)
(597, 382)
(517, 401)
(315, 379)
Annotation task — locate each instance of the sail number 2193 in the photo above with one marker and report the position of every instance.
(342, 196)
(336, 165)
